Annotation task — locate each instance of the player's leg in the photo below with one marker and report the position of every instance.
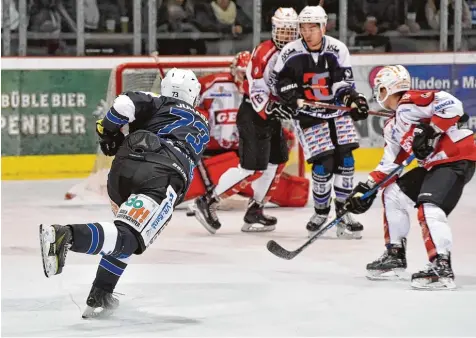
(439, 195)
(344, 138)
(255, 220)
(144, 194)
(397, 199)
(318, 148)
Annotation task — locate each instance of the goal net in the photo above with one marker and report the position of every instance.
(146, 76)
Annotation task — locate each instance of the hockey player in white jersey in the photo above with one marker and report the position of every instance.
(425, 123)
(317, 68)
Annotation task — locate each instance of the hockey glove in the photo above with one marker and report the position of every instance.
(278, 111)
(110, 142)
(358, 103)
(424, 139)
(354, 204)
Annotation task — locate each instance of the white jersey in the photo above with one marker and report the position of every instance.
(220, 99)
(442, 111)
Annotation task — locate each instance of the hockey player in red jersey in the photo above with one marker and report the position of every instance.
(262, 146)
(220, 98)
(425, 123)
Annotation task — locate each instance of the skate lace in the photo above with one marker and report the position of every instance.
(348, 219)
(383, 257)
(430, 267)
(213, 210)
(318, 219)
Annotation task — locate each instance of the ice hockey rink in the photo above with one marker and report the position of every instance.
(190, 283)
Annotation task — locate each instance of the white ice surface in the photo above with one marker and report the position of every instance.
(190, 283)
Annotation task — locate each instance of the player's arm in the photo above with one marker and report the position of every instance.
(288, 78)
(393, 156)
(343, 86)
(125, 109)
(447, 111)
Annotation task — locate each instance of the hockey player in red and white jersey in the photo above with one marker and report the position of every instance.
(262, 150)
(425, 123)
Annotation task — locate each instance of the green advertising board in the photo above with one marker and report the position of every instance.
(49, 112)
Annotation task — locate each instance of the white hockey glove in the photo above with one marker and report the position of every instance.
(275, 110)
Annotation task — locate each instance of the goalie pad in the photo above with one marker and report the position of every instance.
(291, 191)
(146, 217)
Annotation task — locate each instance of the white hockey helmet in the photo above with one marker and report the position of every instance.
(313, 14)
(181, 84)
(284, 26)
(394, 79)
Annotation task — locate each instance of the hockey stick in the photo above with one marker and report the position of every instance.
(209, 186)
(331, 106)
(281, 252)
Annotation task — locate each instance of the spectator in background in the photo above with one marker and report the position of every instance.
(179, 16)
(223, 16)
(432, 11)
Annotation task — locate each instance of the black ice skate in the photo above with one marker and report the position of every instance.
(348, 227)
(315, 223)
(55, 241)
(254, 215)
(100, 304)
(205, 208)
(391, 265)
(438, 275)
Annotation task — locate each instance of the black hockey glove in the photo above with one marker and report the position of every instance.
(354, 204)
(358, 103)
(278, 111)
(424, 139)
(110, 142)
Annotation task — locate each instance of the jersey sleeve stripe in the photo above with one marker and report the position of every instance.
(114, 118)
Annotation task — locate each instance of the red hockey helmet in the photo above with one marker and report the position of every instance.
(238, 67)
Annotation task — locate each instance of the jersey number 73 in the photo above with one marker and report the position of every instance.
(199, 139)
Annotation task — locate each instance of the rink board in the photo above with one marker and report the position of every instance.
(77, 166)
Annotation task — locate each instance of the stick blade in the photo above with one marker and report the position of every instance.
(279, 251)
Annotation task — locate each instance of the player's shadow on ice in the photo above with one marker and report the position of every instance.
(132, 322)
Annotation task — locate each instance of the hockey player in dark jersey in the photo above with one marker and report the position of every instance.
(317, 67)
(150, 175)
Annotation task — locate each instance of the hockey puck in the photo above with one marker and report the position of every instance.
(190, 213)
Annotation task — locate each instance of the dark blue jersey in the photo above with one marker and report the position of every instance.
(171, 119)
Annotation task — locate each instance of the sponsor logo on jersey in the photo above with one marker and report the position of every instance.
(227, 116)
(136, 210)
(287, 54)
(332, 48)
(444, 104)
(348, 74)
(288, 87)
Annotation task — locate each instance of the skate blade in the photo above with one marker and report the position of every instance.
(49, 259)
(96, 312)
(391, 275)
(190, 211)
(427, 284)
(346, 234)
(201, 218)
(252, 228)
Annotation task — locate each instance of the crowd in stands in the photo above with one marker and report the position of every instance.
(373, 25)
